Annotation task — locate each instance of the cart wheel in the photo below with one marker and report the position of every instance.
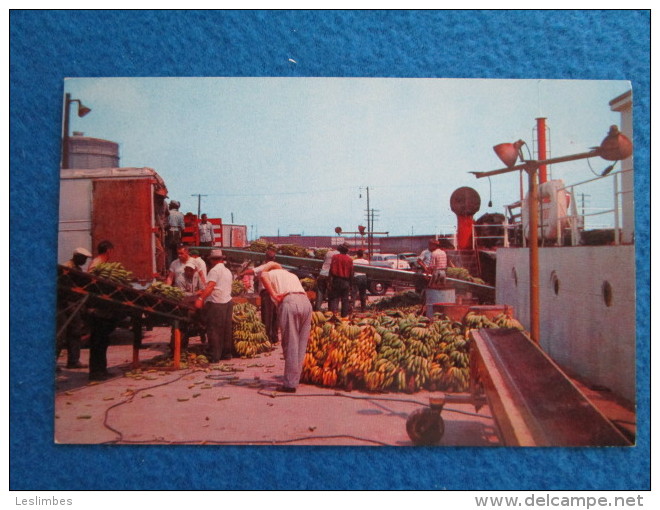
(425, 427)
(377, 288)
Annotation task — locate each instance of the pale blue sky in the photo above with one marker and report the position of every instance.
(289, 155)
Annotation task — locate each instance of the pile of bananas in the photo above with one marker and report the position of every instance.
(396, 350)
(113, 271)
(249, 332)
(261, 246)
(293, 250)
(166, 291)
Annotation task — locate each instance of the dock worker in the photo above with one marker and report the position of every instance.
(200, 264)
(71, 337)
(341, 281)
(437, 265)
(104, 253)
(103, 320)
(175, 226)
(176, 275)
(217, 306)
(324, 278)
(206, 235)
(294, 320)
(360, 282)
(192, 287)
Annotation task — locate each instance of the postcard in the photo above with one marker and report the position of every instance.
(346, 261)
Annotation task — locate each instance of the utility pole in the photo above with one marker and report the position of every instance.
(369, 229)
(582, 195)
(199, 203)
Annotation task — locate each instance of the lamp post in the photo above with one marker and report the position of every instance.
(82, 111)
(614, 147)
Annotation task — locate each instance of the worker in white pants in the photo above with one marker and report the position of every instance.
(294, 320)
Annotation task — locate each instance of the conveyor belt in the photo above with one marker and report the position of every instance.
(376, 273)
(532, 400)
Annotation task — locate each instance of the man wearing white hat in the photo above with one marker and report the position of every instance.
(218, 307)
(80, 256)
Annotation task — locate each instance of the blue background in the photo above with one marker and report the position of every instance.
(47, 46)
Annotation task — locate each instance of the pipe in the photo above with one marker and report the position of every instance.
(540, 128)
(177, 346)
(532, 206)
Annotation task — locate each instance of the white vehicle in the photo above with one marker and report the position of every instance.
(389, 260)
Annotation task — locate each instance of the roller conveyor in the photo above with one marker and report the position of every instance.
(102, 292)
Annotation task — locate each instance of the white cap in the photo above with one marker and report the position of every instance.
(82, 251)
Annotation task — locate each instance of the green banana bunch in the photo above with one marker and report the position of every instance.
(113, 271)
(166, 291)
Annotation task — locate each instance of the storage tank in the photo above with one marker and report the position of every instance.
(553, 211)
(86, 152)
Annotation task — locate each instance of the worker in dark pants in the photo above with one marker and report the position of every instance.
(268, 308)
(216, 301)
(101, 323)
(341, 282)
(360, 281)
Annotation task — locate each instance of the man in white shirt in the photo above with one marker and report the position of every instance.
(324, 278)
(206, 235)
(199, 264)
(218, 308)
(176, 277)
(294, 319)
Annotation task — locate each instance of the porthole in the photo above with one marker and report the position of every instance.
(554, 281)
(514, 274)
(607, 293)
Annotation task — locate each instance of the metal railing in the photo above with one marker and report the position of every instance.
(573, 219)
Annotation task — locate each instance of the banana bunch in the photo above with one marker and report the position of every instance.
(113, 271)
(319, 317)
(166, 291)
(237, 288)
(250, 338)
(504, 321)
(476, 321)
(308, 283)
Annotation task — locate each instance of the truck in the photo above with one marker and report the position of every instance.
(123, 205)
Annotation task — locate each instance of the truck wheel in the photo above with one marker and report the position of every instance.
(377, 288)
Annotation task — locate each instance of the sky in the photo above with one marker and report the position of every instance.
(296, 155)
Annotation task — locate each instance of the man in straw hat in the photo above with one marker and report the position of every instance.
(217, 304)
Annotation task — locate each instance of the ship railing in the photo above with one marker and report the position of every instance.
(576, 221)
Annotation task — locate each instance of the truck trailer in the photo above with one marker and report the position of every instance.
(123, 205)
